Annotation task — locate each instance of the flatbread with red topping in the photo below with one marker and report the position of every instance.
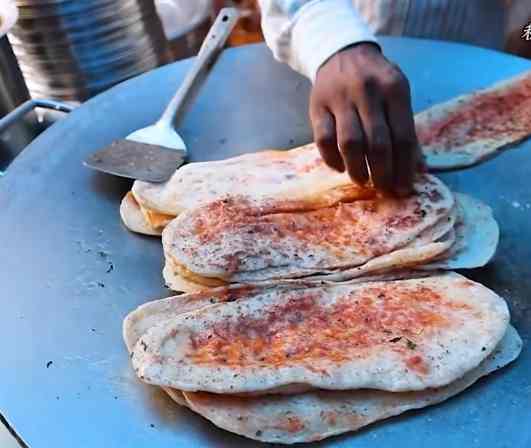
(397, 336)
(298, 174)
(306, 416)
(471, 128)
(238, 240)
(317, 415)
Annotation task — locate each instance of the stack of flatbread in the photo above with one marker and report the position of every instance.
(314, 306)
(300, 362)
(239, 240)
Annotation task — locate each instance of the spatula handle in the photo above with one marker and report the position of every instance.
(211, 47)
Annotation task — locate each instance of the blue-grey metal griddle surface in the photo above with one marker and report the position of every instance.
(70, 272)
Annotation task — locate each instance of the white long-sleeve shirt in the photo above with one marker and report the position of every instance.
(305, 33)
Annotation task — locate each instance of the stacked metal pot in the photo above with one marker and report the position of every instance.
(73, 49)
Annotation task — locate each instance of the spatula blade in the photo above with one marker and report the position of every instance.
(135, 160)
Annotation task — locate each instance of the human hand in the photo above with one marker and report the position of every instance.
(360, 109)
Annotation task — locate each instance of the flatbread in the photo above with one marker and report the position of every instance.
(309, 416)
(316, 415)
(139, 321)
(469, 129)
(295, 175)
(476, 240)
(133, 218)
(477, 237)
(428, 246)
(238, 240)
(154, 312)
(397, 335)
(178, 283)
(298, 174)
(146, 316)
(409, 257)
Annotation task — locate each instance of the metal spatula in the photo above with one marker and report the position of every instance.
(153, 153)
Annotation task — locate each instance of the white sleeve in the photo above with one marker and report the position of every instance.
(305, 33)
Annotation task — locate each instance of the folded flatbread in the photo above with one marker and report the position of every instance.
(471, 128)
(399, 260)
(472, 243)
(477, 236)
(398, 335)
(301, 417)
(238, 240)
(476, 239)
(134, 217)
(296, 175)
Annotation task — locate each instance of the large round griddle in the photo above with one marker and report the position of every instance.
(70, 272)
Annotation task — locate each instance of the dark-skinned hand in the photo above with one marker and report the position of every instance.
(360, 109)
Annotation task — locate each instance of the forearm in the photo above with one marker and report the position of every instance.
(304, 34)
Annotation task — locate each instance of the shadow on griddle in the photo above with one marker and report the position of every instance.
(112, 188)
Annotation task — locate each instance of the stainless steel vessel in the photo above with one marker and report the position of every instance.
(13, 92)
(71, 49)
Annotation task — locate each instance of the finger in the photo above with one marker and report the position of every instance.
(406, 151)
(324, 134)
(351, 142)
(378, 136)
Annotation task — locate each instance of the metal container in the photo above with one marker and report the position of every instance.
(73, 49)
(13, 92)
